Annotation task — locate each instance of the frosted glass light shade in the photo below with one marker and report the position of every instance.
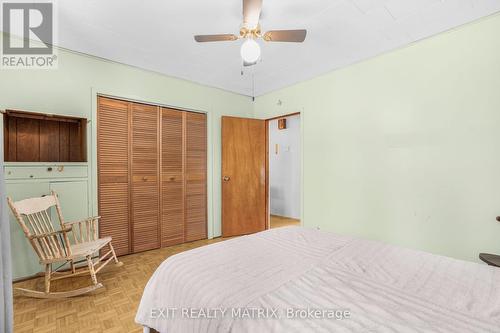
(250, 51)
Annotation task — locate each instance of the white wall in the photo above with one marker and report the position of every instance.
(284, 168)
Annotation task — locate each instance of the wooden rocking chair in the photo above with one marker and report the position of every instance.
(53, 246)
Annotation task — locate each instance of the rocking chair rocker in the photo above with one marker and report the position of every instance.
(53, 246)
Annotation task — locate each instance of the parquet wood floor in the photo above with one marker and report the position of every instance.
(108, 310)
(280, 221)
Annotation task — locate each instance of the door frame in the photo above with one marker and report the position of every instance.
(126, 96)
(268, 206)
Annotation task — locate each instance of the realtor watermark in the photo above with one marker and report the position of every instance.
(249, 313)
(29, 35)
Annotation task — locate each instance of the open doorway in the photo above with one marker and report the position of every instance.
(284, 165)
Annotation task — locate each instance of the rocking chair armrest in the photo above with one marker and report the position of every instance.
(89, 219)
(67, 228)
(84, 230)
(48, 234)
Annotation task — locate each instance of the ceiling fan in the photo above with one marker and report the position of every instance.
(250, 31)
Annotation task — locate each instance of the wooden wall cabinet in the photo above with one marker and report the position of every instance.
(34, 137)
(152, 175)
(43, 153)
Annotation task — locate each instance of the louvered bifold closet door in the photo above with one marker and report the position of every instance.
(172, 176)
(145, 171)
(113, 183)
(196, 176)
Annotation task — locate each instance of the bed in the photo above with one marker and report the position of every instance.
(296, 279)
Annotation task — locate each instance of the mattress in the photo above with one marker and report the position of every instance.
(303, 280)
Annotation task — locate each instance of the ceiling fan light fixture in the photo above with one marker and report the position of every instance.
(250, 51)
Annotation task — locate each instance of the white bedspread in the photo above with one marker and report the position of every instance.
(377, 287)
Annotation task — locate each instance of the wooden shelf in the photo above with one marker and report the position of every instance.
(36, 137)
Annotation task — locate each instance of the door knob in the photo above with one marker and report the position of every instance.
(226, 178)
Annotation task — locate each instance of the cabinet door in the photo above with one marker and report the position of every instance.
(145, 182)
(196, 176)
(24, 259)
(113, 172)
(172, 177)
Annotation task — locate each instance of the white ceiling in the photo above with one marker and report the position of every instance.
(158, 35)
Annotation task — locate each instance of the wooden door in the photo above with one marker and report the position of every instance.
(244, 199)
(195, 176)
(113, 172)
(172, 176)
(145, 183)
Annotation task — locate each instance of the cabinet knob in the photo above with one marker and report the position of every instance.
(49, 169)
(226, 178)
(144, 178)
(31, 176)
(172, 179)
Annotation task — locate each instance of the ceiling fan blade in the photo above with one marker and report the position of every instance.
(295, 36)
(251, 13)
(215, 38)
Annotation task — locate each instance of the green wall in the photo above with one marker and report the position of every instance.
(71, 90)
(401, 148)
(405, 147)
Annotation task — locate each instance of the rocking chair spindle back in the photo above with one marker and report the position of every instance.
(51, 245)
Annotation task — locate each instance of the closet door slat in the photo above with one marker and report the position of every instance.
(172, 175)
(145, 177)
(113, 186)
(195, 176)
